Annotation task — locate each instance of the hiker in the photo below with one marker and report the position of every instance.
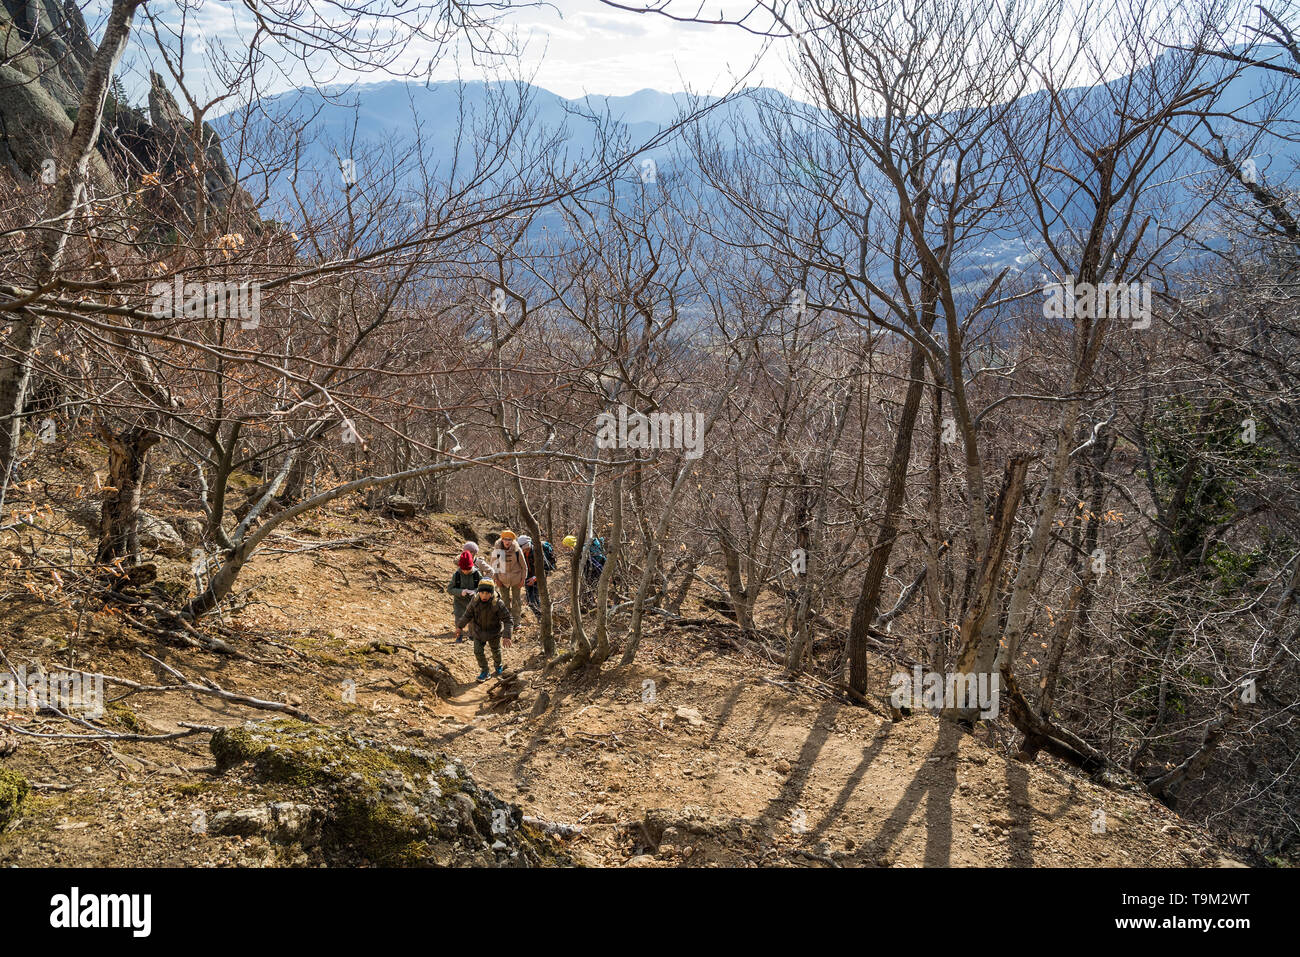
(510, 571)
(464, 582)
(530, 583)
(483, 567)
(489, 622)
(595, 558)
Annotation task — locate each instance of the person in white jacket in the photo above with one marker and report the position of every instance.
(509, 570)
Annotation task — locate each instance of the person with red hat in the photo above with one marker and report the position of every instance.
(464, 582)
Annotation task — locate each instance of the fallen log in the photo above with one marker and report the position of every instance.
(1042, 735)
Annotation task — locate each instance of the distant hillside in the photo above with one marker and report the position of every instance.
(361, 122)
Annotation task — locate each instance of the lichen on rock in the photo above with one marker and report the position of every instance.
(385, 803)
(13, 791)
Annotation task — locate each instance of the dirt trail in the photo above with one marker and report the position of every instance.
(698, 754)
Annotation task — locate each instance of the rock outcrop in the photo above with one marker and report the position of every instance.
(45, 51)
(178, 148)
(356, 801)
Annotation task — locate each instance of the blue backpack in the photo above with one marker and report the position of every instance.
(596, 557)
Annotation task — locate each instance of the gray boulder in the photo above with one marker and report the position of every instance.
(157, 535)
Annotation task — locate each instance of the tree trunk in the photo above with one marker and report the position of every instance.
(938, 650)
(801, 627)
(581, 643)
(613, 549)
(864, 615)
(812, 520)
(119, 515)
(655, 539)
(686, 568)
(546, 632)
(979, 636)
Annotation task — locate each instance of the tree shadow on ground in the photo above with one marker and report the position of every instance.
(935, 782)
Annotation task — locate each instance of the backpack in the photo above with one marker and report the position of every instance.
(548, 556)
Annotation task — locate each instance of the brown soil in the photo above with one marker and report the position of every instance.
(767, 773)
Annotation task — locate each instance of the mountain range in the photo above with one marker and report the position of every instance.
(363, 123)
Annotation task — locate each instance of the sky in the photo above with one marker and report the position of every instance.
(584, 46)
(570, 47)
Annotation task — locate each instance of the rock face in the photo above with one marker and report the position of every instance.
(159, 536)
(179, 146)
(361, 801)
(191, 530)
(283, 822)
(45, 51)
(400, 506)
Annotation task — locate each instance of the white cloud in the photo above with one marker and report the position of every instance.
(573, 48)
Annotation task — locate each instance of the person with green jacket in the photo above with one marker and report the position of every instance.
(489, 621)
(464, 582)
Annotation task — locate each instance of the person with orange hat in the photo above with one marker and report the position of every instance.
(510, 571)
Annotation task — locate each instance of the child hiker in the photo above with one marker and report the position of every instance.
(489, 621)
(464, 582)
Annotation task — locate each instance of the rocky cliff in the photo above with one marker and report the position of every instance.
(45, 50)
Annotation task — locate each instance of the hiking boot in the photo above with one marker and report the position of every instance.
(482, 676)
(497, 673)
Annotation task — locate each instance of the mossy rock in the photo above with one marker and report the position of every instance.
(458, 527)
(121, 716)
(293, 752)
(13, 792)
(172, 584)
(385, 803)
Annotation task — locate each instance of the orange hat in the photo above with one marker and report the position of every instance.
(508, 535)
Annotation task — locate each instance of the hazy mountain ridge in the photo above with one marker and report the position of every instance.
(352, 123)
